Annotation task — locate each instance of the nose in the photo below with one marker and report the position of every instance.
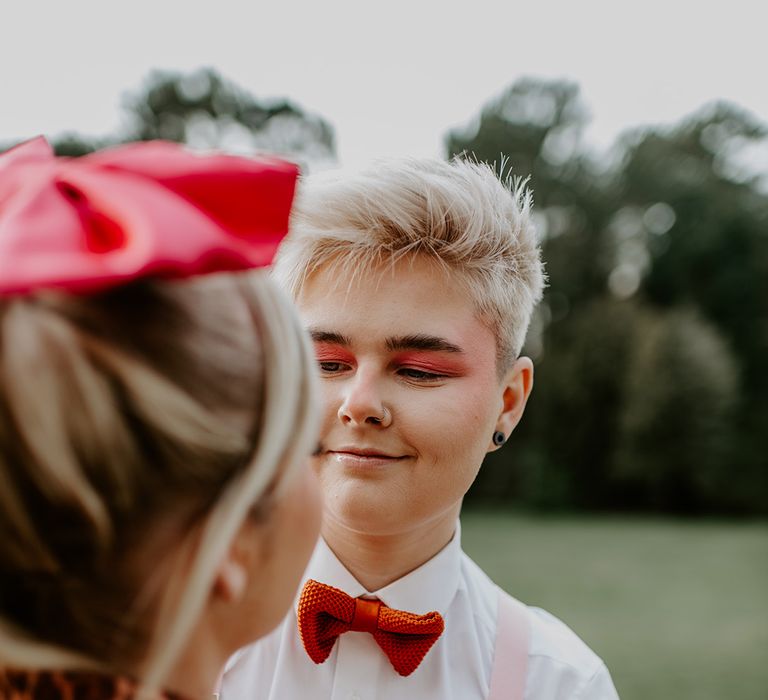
(362, 403)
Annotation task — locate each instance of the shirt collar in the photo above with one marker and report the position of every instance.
(430, 587)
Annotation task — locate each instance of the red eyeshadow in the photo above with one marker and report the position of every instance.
(430, 362)
(332, 353)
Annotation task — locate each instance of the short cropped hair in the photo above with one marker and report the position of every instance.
(458, 213)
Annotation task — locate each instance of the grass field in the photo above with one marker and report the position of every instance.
(678, 609)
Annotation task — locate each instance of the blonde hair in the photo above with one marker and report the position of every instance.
(457, 213)
(161, 413)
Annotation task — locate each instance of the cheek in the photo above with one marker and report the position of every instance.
(309, 505)
(480, 406)
(458, 422)
(329, 406)
(293, 531)
(300, 517)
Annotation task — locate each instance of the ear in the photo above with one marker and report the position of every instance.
(231, 578)
(516, 388)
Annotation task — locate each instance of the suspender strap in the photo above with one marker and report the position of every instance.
(510, 659)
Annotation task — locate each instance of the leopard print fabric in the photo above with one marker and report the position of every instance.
(71, 685)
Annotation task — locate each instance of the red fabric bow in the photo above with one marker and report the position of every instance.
(325, 613)
(144, 209)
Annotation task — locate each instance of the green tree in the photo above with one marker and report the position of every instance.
(75, 145)
(665, 241)
(704, 221)
(675, 438)
(205, 110)
(534, 129)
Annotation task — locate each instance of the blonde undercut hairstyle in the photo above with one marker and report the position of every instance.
(139, 428)
(458, 213)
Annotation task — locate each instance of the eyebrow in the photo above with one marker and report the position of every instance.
(418, 341)
(321, 336)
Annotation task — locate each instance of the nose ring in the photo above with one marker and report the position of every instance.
(385, 417)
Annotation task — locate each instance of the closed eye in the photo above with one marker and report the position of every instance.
(330, 367)
(419, 375)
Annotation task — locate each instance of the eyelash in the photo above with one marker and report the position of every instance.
(329, 368)
(326, 370)
(420, 375)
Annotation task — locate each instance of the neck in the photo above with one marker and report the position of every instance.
(196, 673)
(377, 560)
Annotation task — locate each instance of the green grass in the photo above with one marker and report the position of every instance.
(677, 609)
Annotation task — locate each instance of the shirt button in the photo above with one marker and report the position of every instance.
(355, 696)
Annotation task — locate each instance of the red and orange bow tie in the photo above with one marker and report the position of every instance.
(326, 612)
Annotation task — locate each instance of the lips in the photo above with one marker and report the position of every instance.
(364, 452)
(363, 457)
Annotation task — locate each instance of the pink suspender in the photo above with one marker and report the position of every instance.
(510, 659)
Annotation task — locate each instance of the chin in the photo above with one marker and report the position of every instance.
(373, 518)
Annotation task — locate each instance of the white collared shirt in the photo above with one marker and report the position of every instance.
(458, 667)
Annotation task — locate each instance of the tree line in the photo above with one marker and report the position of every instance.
(651, 391)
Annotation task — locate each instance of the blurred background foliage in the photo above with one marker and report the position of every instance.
(207, 111)
(651, 391)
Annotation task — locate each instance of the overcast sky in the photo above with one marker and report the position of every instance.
(391, 76)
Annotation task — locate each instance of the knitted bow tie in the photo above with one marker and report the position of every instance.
(326, 612)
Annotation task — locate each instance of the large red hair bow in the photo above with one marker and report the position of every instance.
(144, 209)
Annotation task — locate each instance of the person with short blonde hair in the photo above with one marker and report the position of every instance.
(156, 413)
(458, 214)
(416, 280)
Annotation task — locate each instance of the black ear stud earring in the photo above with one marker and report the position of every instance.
(499, 438)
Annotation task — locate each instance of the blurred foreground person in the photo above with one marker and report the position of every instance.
(416, 280)
(156, 415)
